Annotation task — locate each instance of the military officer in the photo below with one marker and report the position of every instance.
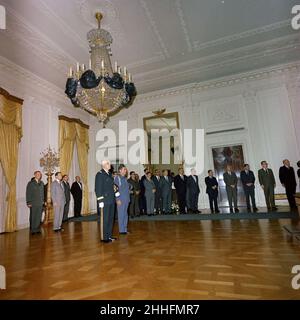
(107, 195)
(35, 201)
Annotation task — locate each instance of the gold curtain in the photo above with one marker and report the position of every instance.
(10, 136)
(73, 131)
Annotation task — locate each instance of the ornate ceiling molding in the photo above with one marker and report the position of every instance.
(111, 21)
(20, 30)
(154, 28)
(180, 14)
(262, 50)
(242, 35)
(259, 74)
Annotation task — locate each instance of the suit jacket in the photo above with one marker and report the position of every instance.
(35, 193)
(67, 190)
(266, 178)
(287, 176)
(149, 186)
(165, 185)
(247, 178)
(76, 190)
(211, 182)
(192, 185)
(104, 187)
(157, 183)
(58, 193)
(180, 184)
(230, 179)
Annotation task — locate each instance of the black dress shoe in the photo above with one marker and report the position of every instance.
(217, 211)
(122, 232)
(255, 209)
(106, 240)
(236, 210)
(231, 210)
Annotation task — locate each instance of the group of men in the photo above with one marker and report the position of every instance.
(152, 194)
(267, 182)
(36, 200)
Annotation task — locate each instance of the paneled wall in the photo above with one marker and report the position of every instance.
(43, 103)
(259, 110)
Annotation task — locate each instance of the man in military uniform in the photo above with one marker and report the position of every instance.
(106, 194)
(35, 201)
(267, 181)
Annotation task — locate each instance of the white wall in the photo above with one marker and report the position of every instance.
(43, 103)
(263, 104)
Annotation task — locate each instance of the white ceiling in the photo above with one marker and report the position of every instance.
(164, 43)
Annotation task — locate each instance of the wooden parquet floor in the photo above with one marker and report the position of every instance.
(237, 259)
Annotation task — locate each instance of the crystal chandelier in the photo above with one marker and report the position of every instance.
(99, 89)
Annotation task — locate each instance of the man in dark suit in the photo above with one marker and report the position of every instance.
(65, 182)
(230, 179)
(248, 180)
(166, 192)
(107, 195)
(35, 201)
(76, 191)
(180, 186)
(143, 205)
(212, 191)
(267, 181)
(288, 181)
(193, 190)
(158, 200)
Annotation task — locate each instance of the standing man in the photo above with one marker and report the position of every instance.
(58, 200)
(298, 171)
(166, 192)
(149, 193)
(230, 180)
(180, 185)
(248, 180)
(35, 201)
(267, 181)
(212, 191)
(124, 199)
(106, 194)
(288, 181)
(134, 184)
(143, 204)
(76, 191)
(193, 191)
(65, 182)
(158, 200)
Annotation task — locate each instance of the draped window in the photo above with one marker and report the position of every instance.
(10, 137)
(72, 132)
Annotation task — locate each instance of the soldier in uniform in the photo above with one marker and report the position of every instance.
(35, 201)
(106, 194)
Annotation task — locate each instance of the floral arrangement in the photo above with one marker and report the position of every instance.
(175, 208)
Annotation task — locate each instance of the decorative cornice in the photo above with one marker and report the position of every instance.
(35, 41)
(73, 120)
(258, 51)
(227, 81)
(10, 97)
